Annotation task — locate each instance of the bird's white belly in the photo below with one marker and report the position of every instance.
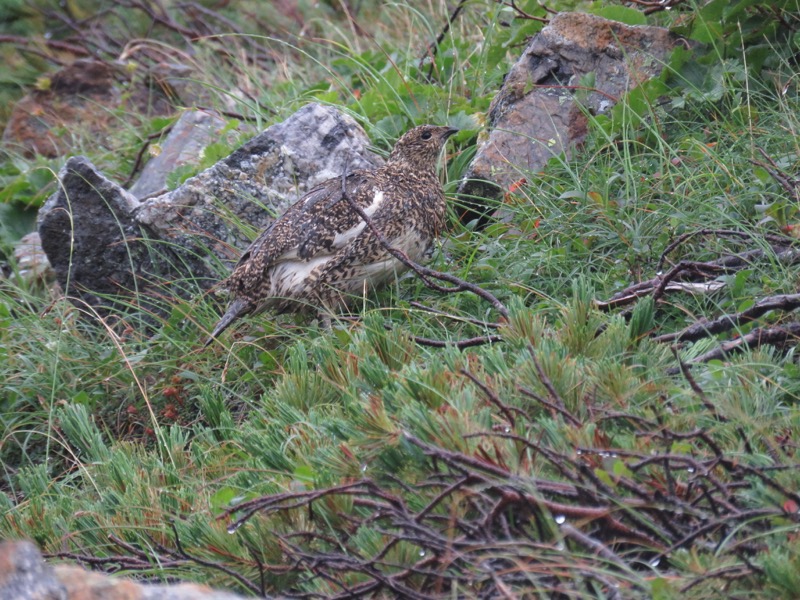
(376, 273)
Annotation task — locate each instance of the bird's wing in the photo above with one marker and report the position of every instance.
(400, 224)
(312, 226)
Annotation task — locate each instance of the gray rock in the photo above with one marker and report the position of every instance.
(31, 260)
(103, 242)
(540, 110)
(192, 132)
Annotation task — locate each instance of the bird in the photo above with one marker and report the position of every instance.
(321, 254)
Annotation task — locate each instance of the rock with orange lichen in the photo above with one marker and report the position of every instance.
(24, 575)
(542, 109)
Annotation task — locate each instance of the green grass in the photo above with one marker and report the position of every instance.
(115, 443)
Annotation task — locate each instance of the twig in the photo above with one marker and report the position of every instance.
(207, 563)
(791, 185)
(551, 405)
(137, 164)
(657, 5)
(433, 47)
(492, 396)
(461, 344)
(54, 44)
(442, 313)
(687, 374)
(595, 546)
(556, 402)
(783, 302)
(729, 573)
(772, 238)
(236, 115)
(519, 13)
(720, 523)
(773, 336)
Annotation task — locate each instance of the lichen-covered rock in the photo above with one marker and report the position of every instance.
(255, 183)
(24, 575)
(540, 111)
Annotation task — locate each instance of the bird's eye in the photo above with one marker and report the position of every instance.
(426, 135)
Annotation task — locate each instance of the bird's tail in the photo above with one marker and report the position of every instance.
(236, 309)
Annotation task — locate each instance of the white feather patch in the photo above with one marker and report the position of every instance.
(345, 237)
(291, 276)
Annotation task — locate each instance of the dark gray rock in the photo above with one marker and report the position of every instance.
(540, 111)
(93, 243)
(103, 242)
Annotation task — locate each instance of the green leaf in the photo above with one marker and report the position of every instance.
(223, 499)
(179, 175)
(707, 27)
(304, 473)
(15, 221)
(213, 153)
(392, 126)
(681, 448)
(620, 469)
(660, 589)
(81, 398)
(604, 477)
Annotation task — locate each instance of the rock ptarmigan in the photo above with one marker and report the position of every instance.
(320, 254)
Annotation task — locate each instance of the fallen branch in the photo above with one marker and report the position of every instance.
(781, 335)
(464, 534)
(791, 185)
(703, 329)
(779, 240)
(785, 254)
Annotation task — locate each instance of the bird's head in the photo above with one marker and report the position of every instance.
(419, 148)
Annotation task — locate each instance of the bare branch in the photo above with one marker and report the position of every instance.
(700, 330)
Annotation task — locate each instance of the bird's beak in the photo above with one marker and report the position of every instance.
(236, 309)
(449, 132)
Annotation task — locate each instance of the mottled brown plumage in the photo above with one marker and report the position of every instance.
(320, 254)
